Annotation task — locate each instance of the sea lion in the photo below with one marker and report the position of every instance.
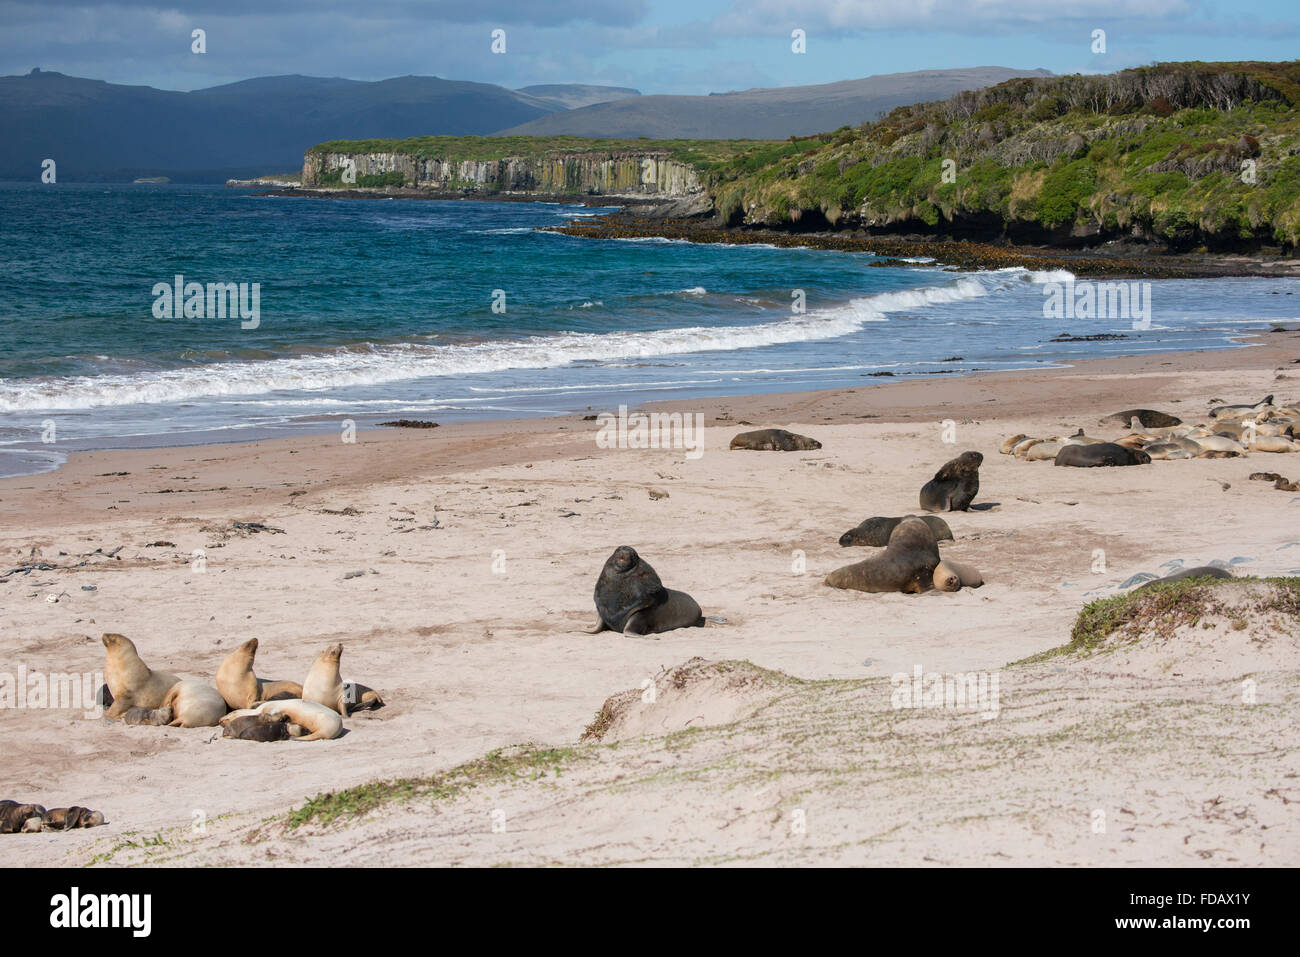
(1149, 418)
(906, 565)
(876, 531)
(1042, 451)
(1200, 571)
(954, 486)
(1273, 443)
(256, 726)
(326, 686)
(70, 818)
(194, 704)
(1265, 477)
(1166, 451)
(1229, 410)
(322, 723)
(156, 716)
(18, 818)
(131, 682)
(1099, 454)
(953, 576)
(1079, 438)
(631, 599)
(1021, 448)
(241, 688)
(1010, 443)
(774, 440)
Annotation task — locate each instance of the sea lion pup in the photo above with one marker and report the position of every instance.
(70, 818)
(1231, 410)
(18, 818)
(1265, 477)
(194, 704)
(876, 531)
(1200, 571)
(1149, 418)
(131, 682)
(325, 685)
(954, 486)
(906, 565)
(157, 716)
(1100, 454)
(322, 723)
(244, 725)
(774, 440)
(631, 599)
(241, 688)
(953, 576)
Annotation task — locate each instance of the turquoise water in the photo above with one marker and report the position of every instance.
(370, 309)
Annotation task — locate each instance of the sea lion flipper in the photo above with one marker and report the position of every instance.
(597, 628)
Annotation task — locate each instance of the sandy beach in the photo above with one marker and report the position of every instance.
(478, 547)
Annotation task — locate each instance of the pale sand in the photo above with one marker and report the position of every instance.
(470, 661)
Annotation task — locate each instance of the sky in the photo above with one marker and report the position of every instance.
(655, 46)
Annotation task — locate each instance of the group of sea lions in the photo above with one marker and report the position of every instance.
(18, 818)
(1232, 430)
(245, 706)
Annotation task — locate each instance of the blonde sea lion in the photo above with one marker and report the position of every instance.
(241, 688)
(1166, 451)
(906, 565)
(1221, 411)
(322, 723)
(325, 685)
(953, 576)
(1273, 443)
(1009, 444)
(1043, 451)
(194, 704)
(954, 486)
(131, 682)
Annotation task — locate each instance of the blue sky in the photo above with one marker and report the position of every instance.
(657, 46)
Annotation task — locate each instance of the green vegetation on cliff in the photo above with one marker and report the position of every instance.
(1189, 153)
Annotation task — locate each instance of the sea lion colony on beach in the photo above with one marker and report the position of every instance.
(631, 599)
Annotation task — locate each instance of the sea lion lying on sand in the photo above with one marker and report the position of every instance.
(774, 440)
(18, 818)
(954, 486)
(631, 599)
(1149, 418)
(1200, 571)
(906, 565)
(255, 727)
(876, 531)
(317, 721)
(1220, 411)
(953, 576)
(1100, 454)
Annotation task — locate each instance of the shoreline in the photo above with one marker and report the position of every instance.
(890, 398)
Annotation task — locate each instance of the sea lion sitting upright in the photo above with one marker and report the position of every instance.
(631, 599)
(130, 681)
(954, 486)
(241, 688)
(906, 565)
(774, 440)
(1101, 453)
(325, 685)
(876, 531)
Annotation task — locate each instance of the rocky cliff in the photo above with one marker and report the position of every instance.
(614, 173)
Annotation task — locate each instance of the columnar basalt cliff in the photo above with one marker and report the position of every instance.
(614, 173)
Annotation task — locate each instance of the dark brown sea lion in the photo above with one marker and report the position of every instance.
(1100, 454)
(876, 531)
(256, 727)
(906, 565)
(1150, 419)
(18, 818)
(1266, 477)
(774, 440)
(954, 486)
(631, 599)
(155, 716)
(1200, 571)
(70, 818)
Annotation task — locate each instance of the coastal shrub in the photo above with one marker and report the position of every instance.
(1064, 192)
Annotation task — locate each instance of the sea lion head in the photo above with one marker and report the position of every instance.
(1142, 458)
(249, 647)
(333, 653)
(624, 559)
(113, 642)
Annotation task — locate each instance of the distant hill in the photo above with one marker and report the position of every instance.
(104, 131)
(765, 113)
(572, 96)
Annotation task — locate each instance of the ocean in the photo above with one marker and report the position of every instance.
(368, 310)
